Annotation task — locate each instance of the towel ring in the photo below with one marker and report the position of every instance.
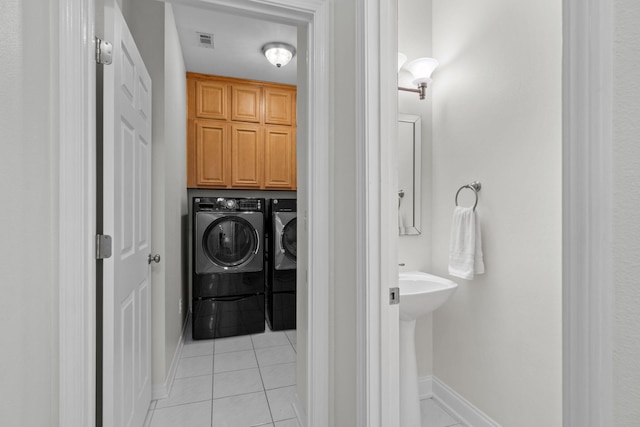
(475, 186)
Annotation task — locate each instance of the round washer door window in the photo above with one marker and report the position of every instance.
(230, 241)
(289, 239)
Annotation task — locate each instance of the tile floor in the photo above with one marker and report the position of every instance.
(232, 382)
(434, 416)
(244, 381)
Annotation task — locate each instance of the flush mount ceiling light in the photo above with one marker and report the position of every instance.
(279, 54)
(421, 70)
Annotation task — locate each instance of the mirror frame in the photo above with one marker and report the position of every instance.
(415, 227)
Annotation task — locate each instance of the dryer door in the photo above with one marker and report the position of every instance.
(286, 234)
(229, 243)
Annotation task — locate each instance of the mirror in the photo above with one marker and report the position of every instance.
(409, 174)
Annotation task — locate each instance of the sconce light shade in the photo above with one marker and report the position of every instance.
(402, 58)
(421, 69)
(279, 54)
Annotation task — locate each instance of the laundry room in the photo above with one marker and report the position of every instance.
(241, 179)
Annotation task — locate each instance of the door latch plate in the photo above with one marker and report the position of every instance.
(394, 296)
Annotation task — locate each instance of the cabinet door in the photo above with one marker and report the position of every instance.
(247, 152)
(213, 153)
(245, 103)
(279, 106)
(280, 158)
(212, 100)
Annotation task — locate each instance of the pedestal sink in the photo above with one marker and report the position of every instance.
(420, 294)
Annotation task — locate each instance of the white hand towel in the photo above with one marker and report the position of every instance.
(465, 248)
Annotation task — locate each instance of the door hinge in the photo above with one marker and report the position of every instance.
(394, 296)
(104, 52)
(103, 246)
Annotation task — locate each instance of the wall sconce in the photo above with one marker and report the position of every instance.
(421, 70)
(279, 54)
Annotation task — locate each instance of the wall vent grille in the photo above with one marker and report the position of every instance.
(205, 40)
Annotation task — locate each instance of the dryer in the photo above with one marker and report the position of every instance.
(228, 283)
(281, 283)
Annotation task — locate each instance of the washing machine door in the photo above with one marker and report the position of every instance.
(229, 243)
(287, 242)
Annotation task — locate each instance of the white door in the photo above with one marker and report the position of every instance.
(127, 218)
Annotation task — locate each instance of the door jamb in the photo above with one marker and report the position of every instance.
(77, 213)
(587, 321)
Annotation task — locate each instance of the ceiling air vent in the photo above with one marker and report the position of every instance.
(205, 40)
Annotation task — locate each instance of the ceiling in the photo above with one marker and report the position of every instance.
(237, 42)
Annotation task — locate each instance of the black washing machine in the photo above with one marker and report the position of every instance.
(281, 285)
(228, 267)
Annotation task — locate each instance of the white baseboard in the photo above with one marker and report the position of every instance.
(458, 406)
(161, 391)
(425, 387)
(300, 414)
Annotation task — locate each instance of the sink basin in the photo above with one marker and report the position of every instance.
(421, 293)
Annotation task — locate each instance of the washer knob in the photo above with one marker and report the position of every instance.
(231, 204)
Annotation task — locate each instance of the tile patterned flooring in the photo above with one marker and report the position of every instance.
(232, 382)
(434, 416)
(244, 381)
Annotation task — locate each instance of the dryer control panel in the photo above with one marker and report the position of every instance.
(218, 204)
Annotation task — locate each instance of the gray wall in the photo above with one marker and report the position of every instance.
(626, 217)
(343, 217)
(29, 213)
(497, 119)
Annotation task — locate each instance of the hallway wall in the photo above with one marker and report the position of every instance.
(342, 240)
(497, 119)
(626, 220)
(29, 213)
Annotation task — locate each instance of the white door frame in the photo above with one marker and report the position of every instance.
(377, 326)
(77, 205)
(587, 320)
(587, 186)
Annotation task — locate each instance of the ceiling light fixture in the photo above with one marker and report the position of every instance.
(279, 54)
(421, 70)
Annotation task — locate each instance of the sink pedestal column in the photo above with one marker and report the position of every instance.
(409, 396)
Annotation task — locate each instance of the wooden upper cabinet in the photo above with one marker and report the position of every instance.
(280, 107)
(279, 158)
(213, 154)
(240, 133)
(247, 154)
(212, 100)
(245, 103)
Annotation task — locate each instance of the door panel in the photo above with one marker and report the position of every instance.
(213, 153)
(279, 158)
(279, 106)
(247, 151)
(126, 215)
(212, 99)
(245, 104)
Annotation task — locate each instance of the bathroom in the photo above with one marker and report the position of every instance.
(492, 114)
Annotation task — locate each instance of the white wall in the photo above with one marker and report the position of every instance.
(29, 213)
(626, 218)
(302, 196)
(343, 217)
(176, 207)
(497, 119)
(414, 40)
